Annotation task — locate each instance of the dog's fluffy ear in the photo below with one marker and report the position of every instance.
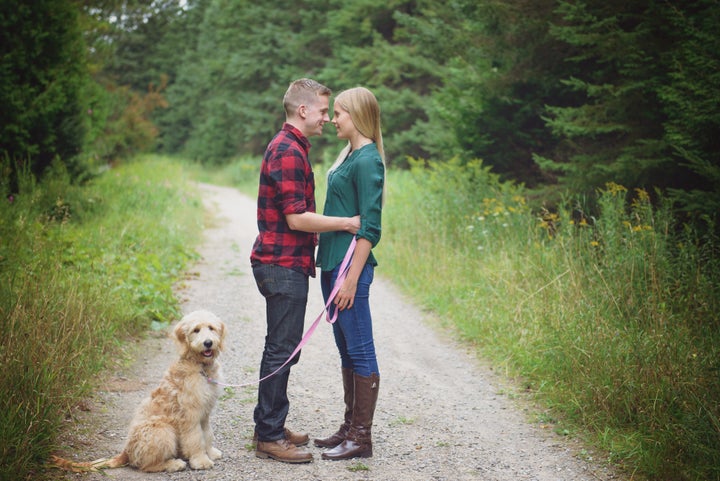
(221, 329)
(180, 335)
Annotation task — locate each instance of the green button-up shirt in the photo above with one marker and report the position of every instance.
(354, 187)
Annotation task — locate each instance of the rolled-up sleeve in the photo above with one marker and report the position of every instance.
(369, 179)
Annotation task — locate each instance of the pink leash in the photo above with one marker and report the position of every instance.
(342, 273)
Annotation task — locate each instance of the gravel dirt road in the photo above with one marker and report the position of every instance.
(441, 414)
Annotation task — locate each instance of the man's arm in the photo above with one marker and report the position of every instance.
(313, 222)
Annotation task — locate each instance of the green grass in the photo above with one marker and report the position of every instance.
(81, 270)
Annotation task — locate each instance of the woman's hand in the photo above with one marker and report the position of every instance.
(345, 297)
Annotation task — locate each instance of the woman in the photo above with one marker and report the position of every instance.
(356, 184)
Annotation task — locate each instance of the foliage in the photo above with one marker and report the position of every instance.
(147, 42)
(578, 92)
(369, 49)
(646, 72)
(81, 268)
(121, 122)
(693, 119)
(42, 77)
(498, 68)
(178, 47)
(128, 81)
(610, 320)
(230, 87)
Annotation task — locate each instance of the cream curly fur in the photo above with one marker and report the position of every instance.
(172, 425)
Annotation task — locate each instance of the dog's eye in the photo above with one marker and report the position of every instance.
(211, 328)
(197, 329)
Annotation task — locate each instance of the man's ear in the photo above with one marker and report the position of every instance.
(302, 111)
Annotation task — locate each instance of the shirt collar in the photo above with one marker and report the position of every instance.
(304, 141)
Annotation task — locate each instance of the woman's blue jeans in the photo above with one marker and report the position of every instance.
(353, 327)
(285, 291)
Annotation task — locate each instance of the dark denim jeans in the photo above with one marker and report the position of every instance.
(285, 292)
(353, 327)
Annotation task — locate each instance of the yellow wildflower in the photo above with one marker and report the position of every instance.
(614, 188)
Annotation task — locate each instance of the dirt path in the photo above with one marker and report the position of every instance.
(441, 415)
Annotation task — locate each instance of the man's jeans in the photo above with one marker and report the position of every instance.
(285, 292)
(353, 327)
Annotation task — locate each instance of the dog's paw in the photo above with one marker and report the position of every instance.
(201, 462)
(214, 453)
(175, 465)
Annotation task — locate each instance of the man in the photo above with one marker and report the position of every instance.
(283, 258)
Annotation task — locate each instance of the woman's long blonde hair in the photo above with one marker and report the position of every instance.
(364, 112)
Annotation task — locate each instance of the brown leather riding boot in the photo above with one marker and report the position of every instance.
(339, 436)
(358, 442)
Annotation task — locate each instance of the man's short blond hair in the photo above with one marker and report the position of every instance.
(303, 91)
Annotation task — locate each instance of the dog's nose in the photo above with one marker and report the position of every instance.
(208, 343)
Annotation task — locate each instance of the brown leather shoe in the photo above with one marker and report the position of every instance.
(282, 450)
(298, 439)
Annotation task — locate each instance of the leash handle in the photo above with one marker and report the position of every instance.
(342, 274)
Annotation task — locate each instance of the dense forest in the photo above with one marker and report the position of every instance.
(569, 94)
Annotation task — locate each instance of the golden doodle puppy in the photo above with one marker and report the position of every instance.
(173, 424)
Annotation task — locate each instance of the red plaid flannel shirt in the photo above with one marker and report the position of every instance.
(287, 186)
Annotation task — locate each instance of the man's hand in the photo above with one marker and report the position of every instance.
(312, 222)
(353, 225)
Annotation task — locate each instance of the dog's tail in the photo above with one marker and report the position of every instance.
(120, 460)
(92, 466)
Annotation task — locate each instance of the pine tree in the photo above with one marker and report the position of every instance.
(43, 72)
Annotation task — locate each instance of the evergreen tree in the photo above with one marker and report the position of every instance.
(231, 84)
(43, 72)
(612, 131)
(149, 46)
(629, 66)
(498, 68)
(691, 100)
(181, 63)
(370, 48)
